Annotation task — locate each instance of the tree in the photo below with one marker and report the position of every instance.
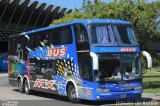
(144, 15)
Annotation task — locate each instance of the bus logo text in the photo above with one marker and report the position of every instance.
(56, 52)
(45, 84)
(130, 49)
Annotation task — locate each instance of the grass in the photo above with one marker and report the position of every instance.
(151, 81)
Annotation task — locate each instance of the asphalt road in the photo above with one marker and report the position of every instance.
(9, 96)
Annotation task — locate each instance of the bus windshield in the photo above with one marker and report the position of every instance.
(119, 67)
(112, 35)
(131, 66)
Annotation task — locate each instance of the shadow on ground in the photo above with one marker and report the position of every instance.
(84, 102)
(151, 84)
(3, 71)
(158, 76)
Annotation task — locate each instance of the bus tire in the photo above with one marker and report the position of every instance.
(71, 93)
(20, 85)
(26, 87)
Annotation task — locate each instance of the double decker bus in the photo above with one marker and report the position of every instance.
(92, 59)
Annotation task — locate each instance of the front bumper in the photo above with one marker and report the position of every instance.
(129, 95)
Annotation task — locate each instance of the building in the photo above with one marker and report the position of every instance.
(17, 16)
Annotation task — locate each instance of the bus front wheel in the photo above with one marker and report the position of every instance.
(71, 93)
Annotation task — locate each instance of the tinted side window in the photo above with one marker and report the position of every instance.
(80, 33)
(21, 47)
(81, 37)
(42, 68)
(44, 38)
(39, 39)
(12, 46)
(85, 66)
(47, 67)
(61, 35)
(21, 42)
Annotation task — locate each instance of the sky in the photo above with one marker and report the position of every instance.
(70, 4)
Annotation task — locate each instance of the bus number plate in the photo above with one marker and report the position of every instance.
(123, 96)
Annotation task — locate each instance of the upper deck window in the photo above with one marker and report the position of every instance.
(56, 36)
(81, 37)
(61, 35)
(102, 35)
(125, 35)
(112, 35)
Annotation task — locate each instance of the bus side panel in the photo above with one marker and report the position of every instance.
(52, 74)
(16, 60)
(51, 67)
(15, 69)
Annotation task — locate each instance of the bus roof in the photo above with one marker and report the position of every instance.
(86, 21)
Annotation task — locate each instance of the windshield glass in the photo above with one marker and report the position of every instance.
(112, 35)
(118, 67)
(131, 66)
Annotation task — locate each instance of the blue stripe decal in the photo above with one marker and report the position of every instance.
(114, 49)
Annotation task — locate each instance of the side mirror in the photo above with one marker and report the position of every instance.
(148, 58)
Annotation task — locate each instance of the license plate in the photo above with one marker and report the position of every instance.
(123, 96)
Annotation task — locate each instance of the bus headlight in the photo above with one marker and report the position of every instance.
(98, 97)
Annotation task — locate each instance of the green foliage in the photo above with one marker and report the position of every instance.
(144, 15)
(151, 81)
(156, 59)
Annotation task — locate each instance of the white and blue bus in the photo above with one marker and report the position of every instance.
(93, 59)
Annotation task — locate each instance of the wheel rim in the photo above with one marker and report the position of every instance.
(73, 94)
